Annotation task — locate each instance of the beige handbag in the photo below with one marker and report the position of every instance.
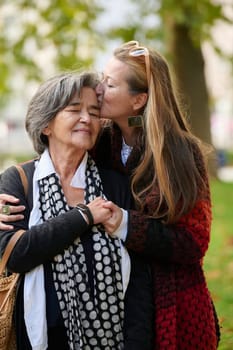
(7, 298)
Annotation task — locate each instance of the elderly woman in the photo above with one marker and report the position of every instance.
(71, 294)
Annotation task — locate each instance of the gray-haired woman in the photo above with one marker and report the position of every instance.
(71, 294)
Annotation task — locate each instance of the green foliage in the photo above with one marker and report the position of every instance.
(61, 29)
(144, 25)
(35, 33)
(198, 16)
(218, 262)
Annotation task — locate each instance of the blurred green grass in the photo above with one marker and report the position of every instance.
(218, 263)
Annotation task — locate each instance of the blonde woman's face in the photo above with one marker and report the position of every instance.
(113, 92)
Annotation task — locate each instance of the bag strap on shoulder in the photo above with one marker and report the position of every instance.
(23, 178)
(18, 233)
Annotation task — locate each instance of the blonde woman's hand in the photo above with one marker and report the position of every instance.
(14, 211)
(114, 221)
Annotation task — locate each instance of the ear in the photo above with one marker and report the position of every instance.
(46, 131)
(140, 100)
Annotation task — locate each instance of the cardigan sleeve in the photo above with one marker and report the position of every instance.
(42, 242)
(183, 242)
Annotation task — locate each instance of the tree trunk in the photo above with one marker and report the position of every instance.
(188, 65)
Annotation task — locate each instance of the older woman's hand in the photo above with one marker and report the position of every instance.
(14, 211)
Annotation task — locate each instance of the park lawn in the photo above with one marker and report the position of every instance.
(218, 263)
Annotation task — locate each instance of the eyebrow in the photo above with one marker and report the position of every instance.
(108, 77)
(73, 104)
(112, 78)
(78, 104)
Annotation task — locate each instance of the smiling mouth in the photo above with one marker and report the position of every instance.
(82, 130)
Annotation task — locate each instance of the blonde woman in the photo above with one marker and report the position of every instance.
(150, 139)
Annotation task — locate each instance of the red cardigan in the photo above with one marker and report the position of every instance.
(185, 317)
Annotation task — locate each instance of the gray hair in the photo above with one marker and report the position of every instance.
(51, 97)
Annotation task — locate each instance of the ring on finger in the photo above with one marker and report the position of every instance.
(5, 209)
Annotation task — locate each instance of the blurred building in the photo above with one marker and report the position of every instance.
(13, 137)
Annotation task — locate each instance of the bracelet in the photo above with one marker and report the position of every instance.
(86, 211)
(84, 216)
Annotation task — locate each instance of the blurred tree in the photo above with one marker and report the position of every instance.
(185, 31)
(182, 27)
(64, 32)
(36, 36)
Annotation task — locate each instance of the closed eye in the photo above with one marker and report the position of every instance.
(94, 115)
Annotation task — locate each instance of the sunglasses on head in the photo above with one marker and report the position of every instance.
(135, 51)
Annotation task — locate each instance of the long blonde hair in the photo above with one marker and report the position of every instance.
(171, 151)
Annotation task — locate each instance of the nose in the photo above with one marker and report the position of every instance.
(99, 89)
(85, 117)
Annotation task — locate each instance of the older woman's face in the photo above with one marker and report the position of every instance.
(78, 124)
(113, 91)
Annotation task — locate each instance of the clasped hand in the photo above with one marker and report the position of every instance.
(106, 213)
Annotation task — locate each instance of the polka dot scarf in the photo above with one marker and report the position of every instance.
(92, 322)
